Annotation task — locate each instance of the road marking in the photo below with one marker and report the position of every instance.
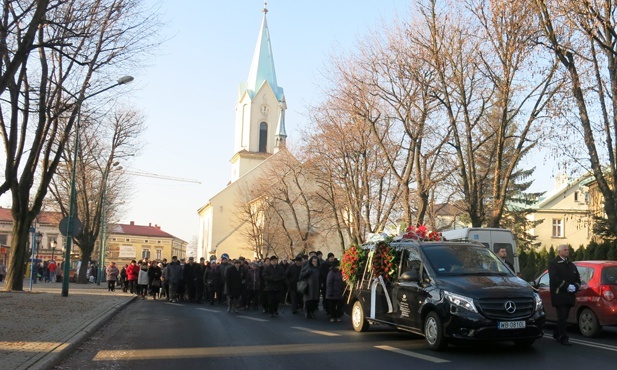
(326, 333)
(252, 318)
(607, 347)
(413, 354)
(207, 310)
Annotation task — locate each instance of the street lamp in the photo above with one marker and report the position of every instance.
(53, 244)
(103, 241)
(69, 227)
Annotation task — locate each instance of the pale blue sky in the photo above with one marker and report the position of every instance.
(189, 91)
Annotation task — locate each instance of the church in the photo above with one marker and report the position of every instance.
(259, 146)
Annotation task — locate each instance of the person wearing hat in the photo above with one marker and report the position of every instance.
(112, 275)
(292, 275)
(188, 278)
(274, 278)
(233, 286)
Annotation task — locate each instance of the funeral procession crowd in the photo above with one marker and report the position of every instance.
(240, 284)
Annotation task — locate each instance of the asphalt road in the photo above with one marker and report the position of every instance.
(160, 335)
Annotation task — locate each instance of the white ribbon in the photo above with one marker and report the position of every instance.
(377, 281)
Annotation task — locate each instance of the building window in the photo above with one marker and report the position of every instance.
(145, 241)
(145, 253)
(576, 196)
(4, 239)
(127, 240)
(263, 137)
(158, 242)
(159, 254)
(557, 228)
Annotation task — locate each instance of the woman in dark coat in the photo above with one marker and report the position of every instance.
(233, 286)
(154, 279)
(334, 292)
(310, 272)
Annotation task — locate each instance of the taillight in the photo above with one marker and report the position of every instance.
(606, 292)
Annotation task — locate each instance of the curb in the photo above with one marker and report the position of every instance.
(46, 361)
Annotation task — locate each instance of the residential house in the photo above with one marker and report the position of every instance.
(564, 212)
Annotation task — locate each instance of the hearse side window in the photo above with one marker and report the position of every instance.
(410, 260)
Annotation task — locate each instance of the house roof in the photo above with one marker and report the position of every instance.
(141, 230)
(554, 193)
(43, 217)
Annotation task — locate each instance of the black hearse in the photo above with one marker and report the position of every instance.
(447, 292)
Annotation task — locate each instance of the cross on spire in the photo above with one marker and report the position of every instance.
(265, 7)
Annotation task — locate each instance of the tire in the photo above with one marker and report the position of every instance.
(358, 320)
(588, 323)
(524, 343)
(433, 332)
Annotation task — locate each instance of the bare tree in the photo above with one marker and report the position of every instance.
(107, 140)
(479, 58)
(355, 180)
(40, 92)
(582, 35)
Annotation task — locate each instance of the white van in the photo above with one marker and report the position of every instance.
(493, 238)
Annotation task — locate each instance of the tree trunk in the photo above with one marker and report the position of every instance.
(18, 259)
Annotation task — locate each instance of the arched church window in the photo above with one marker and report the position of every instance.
(263, 137)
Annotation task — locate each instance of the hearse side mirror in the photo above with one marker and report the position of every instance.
(410, 276)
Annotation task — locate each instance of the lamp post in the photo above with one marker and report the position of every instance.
(32, 244)
(103, 241)
(69, 231)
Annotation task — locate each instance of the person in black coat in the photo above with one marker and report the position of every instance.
(233, 286)
(292, 275)
(565, 281)
(334, 292)
(274, 277)
(310, 272)
(214, 281)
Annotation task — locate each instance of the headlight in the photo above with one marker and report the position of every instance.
(539, 304)
(460, 301)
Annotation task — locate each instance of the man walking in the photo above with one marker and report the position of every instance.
(565, 281)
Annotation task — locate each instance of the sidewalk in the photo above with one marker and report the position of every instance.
(39, 328)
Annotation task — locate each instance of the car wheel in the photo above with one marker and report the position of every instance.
(588, 323)
(433, 332)
(358, 320)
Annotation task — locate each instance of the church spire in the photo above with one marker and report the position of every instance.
(262, 66)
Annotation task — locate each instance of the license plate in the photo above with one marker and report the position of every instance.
(511, 325)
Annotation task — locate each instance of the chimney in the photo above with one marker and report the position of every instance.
(157, 227)
(149, 224)
(132, 223)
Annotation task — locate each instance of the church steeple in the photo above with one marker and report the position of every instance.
(260, 110)
(262, 66)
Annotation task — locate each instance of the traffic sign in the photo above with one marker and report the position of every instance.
(76, 226)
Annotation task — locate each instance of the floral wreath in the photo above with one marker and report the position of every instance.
(421, 233)
(352, 263)
(385, 262)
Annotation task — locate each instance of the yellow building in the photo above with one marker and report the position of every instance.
(565, 214)
(135, 242)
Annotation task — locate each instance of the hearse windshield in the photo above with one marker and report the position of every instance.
(464, 259)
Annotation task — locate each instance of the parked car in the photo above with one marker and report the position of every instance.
(447, 291)
(596, 305)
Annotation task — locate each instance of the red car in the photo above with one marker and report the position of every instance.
(596, 304)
